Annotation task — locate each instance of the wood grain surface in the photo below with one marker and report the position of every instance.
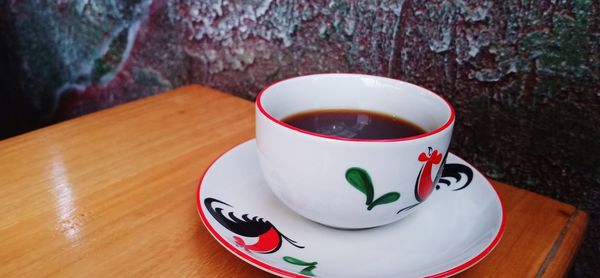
(113, 194)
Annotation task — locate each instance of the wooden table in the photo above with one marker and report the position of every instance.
(113, 194)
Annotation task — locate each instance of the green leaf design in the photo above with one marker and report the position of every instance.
(295, 261)
(309, 266)
(308, 271)
(385, 199)
(361, 180)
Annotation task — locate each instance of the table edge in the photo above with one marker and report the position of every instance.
(561, 256)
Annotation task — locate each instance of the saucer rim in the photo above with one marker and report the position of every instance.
(278, 271)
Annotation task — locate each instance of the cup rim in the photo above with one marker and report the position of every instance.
(263, 111)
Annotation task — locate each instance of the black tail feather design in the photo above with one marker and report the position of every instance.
(248, 227)
(454, 170)
(444, 181)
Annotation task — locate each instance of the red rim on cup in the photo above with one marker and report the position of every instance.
(262, 110)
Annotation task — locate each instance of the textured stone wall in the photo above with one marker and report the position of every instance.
(524, 75)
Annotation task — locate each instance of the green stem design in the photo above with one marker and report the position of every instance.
(308, 271)
(310, 266)
(360, 179)
(386, 198)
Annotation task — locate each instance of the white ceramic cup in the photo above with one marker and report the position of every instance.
(351, 183)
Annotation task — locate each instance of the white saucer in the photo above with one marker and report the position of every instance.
(459, 225)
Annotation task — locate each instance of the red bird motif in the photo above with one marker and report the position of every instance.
(269, 238)
(424, 184)
(452, 175)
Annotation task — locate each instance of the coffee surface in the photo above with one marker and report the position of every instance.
(354, 124)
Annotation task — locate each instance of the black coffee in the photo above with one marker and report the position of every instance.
(356, 124)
